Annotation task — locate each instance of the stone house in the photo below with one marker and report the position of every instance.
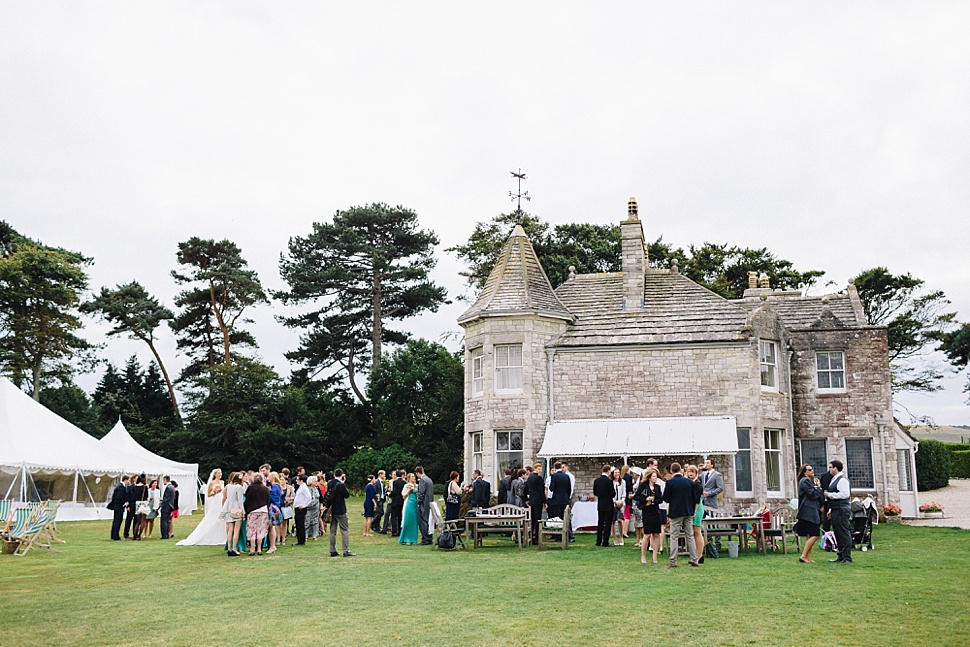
(617, 367)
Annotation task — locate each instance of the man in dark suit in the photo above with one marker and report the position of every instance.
(481, 491)
(168, 506)
(603, 491)
(425, 499)
(396, 506)
(129, 507)
(119, 499)
(379, 503)
(682, 496)
(503, 487)
(560, 489)
(336, 500)
(535, 492)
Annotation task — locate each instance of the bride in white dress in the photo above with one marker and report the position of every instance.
(211, 531)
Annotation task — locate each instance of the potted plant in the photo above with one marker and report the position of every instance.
(891, 513)
(931, 510)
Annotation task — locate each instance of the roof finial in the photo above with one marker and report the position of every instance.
(520, 194)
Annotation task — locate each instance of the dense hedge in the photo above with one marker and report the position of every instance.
(932, 465)
(959, 464)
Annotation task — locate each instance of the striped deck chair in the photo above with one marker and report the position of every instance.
(51, 528)
(34, 534)
(5, 522)
(21, 518)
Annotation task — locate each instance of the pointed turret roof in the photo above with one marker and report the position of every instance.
(517, 284)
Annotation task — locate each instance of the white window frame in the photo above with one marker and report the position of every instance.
(768, 368)
(850, 470)
(478, 451)
(828, 371)
(774, 453)
(505, 370)
(500, 454)
(478, 371)
(743, 451)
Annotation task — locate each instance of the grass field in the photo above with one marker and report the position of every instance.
(912, 589)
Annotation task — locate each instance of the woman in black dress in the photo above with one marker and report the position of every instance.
(452, 497)
(810, 500)
(649, 497)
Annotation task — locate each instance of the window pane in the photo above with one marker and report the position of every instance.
(822, 361)
(858, 462)
(838, 380)
(744, 438)
(823, 381)
(813, 453)
(904, 468)
(742, 471)
(502, 441)
(515, 440)
(742, 462)
(476, 442)
(515, 355)
(773, 470)
(835, 361)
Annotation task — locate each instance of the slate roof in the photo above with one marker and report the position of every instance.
(801, 312)
(675, 310)
(517, 284)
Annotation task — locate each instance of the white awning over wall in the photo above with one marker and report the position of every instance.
(641, 437)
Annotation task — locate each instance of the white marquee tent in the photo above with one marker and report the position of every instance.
(138, 460)
(43, 456)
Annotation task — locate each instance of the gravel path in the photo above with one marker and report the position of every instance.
(955, 499)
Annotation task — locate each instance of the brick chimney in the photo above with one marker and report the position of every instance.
(634, 258)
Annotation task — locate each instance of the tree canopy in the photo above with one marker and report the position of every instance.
(594, 248)
(418, 396)
(366, 267)
(226, 285)
(917, 321)
(40, 292)
(133, 311)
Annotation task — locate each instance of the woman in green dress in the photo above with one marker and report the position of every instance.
(409, 526)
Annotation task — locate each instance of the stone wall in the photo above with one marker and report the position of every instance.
(864, 410)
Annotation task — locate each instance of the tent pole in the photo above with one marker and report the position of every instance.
(23, 483)
(74, 494)
(13, 481)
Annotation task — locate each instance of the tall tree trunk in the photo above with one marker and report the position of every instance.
(36, 381)
(377, 332)
(220, 321)
(351, 371)
(168, 382)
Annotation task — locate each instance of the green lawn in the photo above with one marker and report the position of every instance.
(911, 589)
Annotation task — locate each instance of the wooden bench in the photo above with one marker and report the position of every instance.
(783, 527)
(504, 527)
(560, 535)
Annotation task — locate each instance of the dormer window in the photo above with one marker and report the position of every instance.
(769, 365)
(508, 368)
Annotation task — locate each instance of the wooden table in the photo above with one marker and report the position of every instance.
(503, 523)
(739, 523)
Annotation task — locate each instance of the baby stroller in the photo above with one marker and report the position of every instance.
(864, 513)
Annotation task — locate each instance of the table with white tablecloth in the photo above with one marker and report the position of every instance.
(584, 515)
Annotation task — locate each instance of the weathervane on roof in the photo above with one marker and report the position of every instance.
(520, 194)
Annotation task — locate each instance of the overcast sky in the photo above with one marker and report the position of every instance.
(835, 134)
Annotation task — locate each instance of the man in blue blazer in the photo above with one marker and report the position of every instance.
(682, 499)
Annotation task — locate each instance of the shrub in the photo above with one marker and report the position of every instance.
(368, 461)
(960, 464)
(932, 465)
